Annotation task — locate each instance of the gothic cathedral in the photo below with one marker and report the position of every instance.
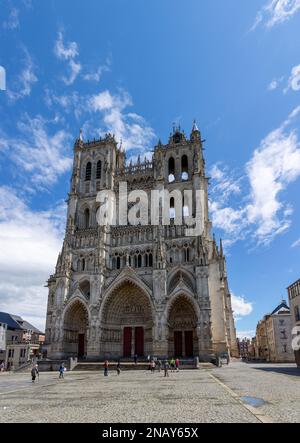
(125, 290)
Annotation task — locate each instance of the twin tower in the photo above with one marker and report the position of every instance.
(123, 290)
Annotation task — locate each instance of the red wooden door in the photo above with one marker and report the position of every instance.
(80, 345)
(189, 348)
(127, 342)
(139, 341)
(178, 344)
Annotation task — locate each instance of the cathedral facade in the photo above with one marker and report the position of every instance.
(145, 289)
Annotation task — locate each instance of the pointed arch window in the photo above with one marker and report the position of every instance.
(118, 262)
(172, 208)
(99, 170)
(86, 218)
(88, 171)
(171, 176)
(150, 260)
(184, 168)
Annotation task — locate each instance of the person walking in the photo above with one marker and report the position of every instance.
(61, 370)
(166, 368)
(152, 366)
(37, 371)
(34, 373)
(172, 364)
(2, 367)
(177, 363)
(118, 368)
(106, 368)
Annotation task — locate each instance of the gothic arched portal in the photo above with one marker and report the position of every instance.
(182, 323)
(127, 322)
(76, 322)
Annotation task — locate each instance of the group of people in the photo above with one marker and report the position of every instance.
(154, 364)
(168, 365)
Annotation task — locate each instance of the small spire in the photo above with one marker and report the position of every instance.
(221, 248)
(81, 135)
(195, 127)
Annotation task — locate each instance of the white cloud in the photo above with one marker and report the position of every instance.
(274, 165)
(241, 307)
(29, 246)
(296, 244)
(68, 52)
(12, 21)
(246, 334)
(294, 80)
(25, 80)
(65, 52)
(262, 215)
(275, 12)
(273, 85)
(41, 155)
(96, 75)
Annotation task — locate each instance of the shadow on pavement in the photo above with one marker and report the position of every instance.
(287, 371)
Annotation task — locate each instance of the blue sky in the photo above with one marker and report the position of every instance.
(133, 68)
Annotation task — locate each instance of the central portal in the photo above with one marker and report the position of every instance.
(127, 323)
(133, 341)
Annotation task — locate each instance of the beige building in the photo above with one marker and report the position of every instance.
(294, 299)
(21, 342)
(274, 336)
(126, 290)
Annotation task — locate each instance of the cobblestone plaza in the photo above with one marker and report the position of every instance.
(238, 393)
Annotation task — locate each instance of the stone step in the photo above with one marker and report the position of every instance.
(130, 366)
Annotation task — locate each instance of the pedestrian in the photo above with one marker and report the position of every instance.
(159, 365)
(37, 371)
(2, 367)
(61, 370)
(34, 373)
(172, 364)
(106, 368)
(152, 366)
(118, 368)
(166, 368)
(135, 359)
(177, 363)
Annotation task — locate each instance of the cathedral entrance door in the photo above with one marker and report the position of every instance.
(80, 345)
(127, 342)
(188, 341)
(139, 341)
(178, 343)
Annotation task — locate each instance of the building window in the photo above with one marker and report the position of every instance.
(118, 263)
(297, 313)
(99, 170)
(88, 171)
(172, 208)
(184, 168)
(87, 218)
(171, 170)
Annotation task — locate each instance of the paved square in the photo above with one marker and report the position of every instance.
(138, 396)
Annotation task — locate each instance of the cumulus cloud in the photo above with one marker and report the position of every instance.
(25, 81)
(39, 152)
(29, 245)
(241, 307)
(107, 112)
(294, 79)
(275, 12)
(68, 52)
(274, 165)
